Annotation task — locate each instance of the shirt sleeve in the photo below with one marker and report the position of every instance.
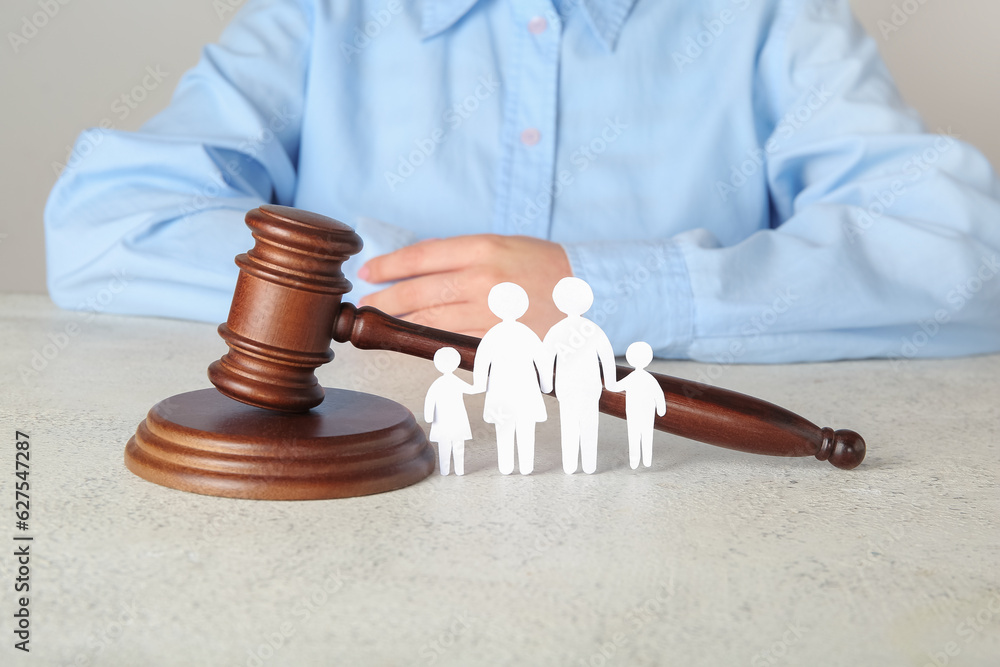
(884, 238)
(161, 210)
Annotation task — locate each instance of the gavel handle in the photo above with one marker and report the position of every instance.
(694, 410)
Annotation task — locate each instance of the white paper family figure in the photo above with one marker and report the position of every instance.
(579, 350)
(444, 410)
(514, 367)
(505, 368)
(643, 397)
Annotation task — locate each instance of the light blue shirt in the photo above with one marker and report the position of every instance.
(738, 180)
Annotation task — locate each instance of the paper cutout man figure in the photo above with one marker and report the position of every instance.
(505, 368)
(643, 396)
(444, 410)
(580, 350)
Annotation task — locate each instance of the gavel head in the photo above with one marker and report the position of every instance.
(286, 303)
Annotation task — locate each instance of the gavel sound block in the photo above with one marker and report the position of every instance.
(270, 431)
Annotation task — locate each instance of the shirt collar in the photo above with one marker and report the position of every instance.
(604, 16)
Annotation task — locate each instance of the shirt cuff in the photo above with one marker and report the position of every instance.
(380, 238)
(642, 291)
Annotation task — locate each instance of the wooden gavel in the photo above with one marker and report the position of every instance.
(287, 309)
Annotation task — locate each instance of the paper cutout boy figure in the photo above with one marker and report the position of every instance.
(505, 367)
(580, 350)
(444, 410)
(643, 397)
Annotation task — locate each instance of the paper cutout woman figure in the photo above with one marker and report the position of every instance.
(505, 368)
(444, 410)
(580, 350)
(643, 397)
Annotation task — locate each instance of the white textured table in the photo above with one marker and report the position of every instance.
(710, 557)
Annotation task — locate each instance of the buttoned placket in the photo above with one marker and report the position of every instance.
(528, 137)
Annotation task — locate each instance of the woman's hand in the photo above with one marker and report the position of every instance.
(445, 282)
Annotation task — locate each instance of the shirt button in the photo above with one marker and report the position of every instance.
(530, 137)
(537, 25)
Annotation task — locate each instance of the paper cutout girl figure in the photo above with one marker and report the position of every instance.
(505, 368)
(444, 410)
(643, 397)
(580, 350)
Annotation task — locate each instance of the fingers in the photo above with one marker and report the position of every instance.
(425, 257)
(463, 318)
(437, 301)
(416, 294)
(463, 270)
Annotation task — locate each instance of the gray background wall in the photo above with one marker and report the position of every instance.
(69, 74)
